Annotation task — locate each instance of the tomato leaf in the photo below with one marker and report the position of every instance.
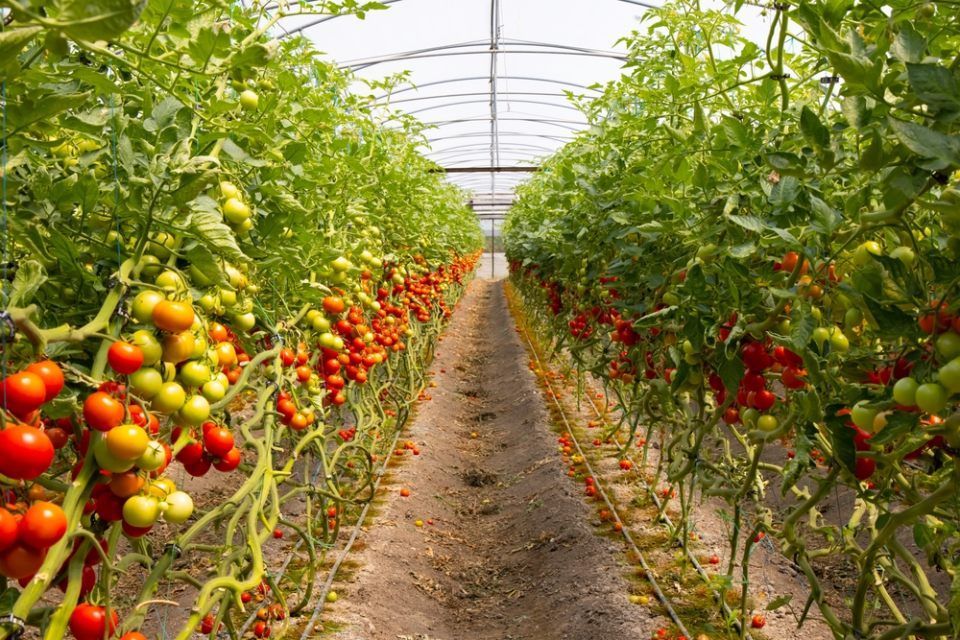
(776, 603)
(12, 41)
(812, 129)
(101, 20)
(206, 223)
(928, 143)
(898, 424)
(841, 436)
(29, 278)
(935, 85)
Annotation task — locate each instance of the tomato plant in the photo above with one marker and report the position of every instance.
(200, 218)
(756, 249)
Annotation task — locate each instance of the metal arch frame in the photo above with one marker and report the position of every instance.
(512, 134)
(463, 102)
(319, 21)
(448, 49)
(473, 78)
(563, 124)
(476, 148)
(473, 154)
(482, 52)
(485, 93)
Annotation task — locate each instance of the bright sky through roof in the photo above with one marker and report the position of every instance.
(551, 46)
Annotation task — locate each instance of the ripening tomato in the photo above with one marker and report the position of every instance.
(303, 373)
(287, 356)
(333, 305)
(127, 441)
(27, 452)
(218, 332)
(42, 525)
(20, 561)
(102, 411)
(124, 485)
(173, 316)
(52, 376)
(133, 635)
(177, 347)
(90, 622)
(23, 393)
(125, 358)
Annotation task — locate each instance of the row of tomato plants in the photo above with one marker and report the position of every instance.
(216, 259)
(756, 249)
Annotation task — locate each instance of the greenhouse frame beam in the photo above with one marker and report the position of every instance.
(563, 124)
(474, 78)
(484, 93)
(462, 102)
(319, 21)
(441, 53)
(485, 170)
(512, 134)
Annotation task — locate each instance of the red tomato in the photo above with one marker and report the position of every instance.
(287, 356)
(124, 357)
(42, 525)
(133, 635)
(22, 393)
(8, 529)
(218, 332)
(52, 376)
(230, 461)
(27, 452)
(102, 411)
(90, 622)
(218, 441)
(333, 305)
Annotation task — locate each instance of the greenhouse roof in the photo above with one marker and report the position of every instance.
(492, 79)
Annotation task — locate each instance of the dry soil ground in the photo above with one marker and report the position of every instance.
(505, 550)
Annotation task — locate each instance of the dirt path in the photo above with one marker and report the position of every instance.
(506, 550)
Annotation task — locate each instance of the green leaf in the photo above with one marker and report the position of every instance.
(205, 222)
(29, 278)
(100, 20)
(928, 143)
(935, 85)
(812, 129)
(13, 41)
(203, 259)
(776, 603)
(908, 45)
(855, 111)
(802, 325)
(842, 438)
(750, 223)
(898, 424)
(25, 114)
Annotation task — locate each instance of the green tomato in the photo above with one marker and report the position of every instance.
(749, 417)
(148, 266)
(142, 307)
(146, 382)
(229, 190)
(341, 264)
(948, 345)
(321, 323)
(213, 391)
(153, 458)
(195, 410)
(170, 281)
(949, 375)
(327, 340)
(767, 422)
(194, 374)
(931, 397)
(904, 255)
(865, 252)
(905, 392)
(244, 321)
(177, 508)
(236, 211)
(670, 298)
(149, 345)
(228, 297)
(169, 399)
(161, 245)
(249, 100)
(141, 511)
(863, 415)
(839, 342)
(207, 302)
(820, 336)
(852, 318)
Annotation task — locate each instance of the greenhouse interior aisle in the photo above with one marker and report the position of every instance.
(504, 548)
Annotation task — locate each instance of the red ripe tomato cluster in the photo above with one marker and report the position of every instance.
(25, 537)
(215, 447)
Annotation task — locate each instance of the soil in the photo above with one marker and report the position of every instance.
(493, 540)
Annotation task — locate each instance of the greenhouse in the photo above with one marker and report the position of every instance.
(479, 319)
